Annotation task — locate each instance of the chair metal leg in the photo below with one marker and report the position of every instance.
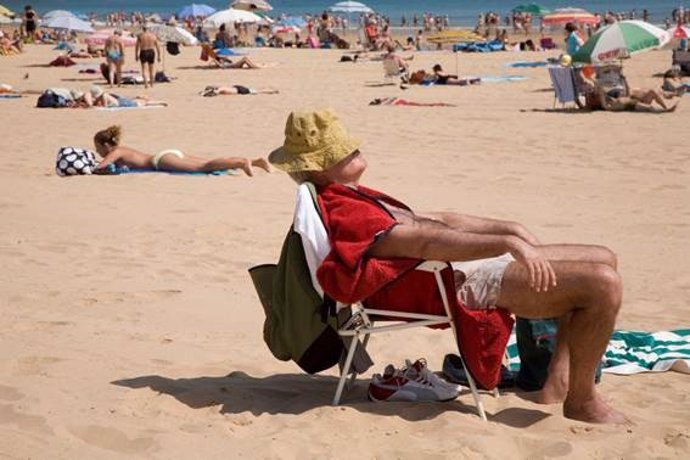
(470, 380)
(475, 393)
(346, 369)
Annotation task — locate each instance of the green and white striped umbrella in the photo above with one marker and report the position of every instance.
(621, 40)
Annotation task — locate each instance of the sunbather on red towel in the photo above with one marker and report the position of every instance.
(498, 266)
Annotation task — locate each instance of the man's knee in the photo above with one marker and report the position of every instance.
(608, 288)
(608, 257)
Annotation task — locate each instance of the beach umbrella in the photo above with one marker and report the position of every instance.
(282, 29)
(56, 13)
(195, 10)
(5, 19)
(175, 34)
(531, 8)
(4, 11)
(99, 38)
(561, 16)
(69, 23)
(251, 5)
(680, 31)
(230, 16)
(293, 21)
(453, 36)
(620, 40)
(350, 7)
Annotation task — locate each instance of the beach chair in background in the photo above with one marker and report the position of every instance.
(681, 58)
(393, 73)
(359, 322)
(563, 82)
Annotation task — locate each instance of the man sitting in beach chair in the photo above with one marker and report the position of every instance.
(499, 266)
(224, 62)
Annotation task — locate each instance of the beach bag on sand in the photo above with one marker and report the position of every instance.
(74, 161)
(536, 341)
(49, 99)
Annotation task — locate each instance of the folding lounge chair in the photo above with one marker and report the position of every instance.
(681, 58)
(309, 225)
(563, 81)
(392, 72)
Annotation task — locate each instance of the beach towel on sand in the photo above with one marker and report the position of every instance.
(113, 170)
(401, 101)
(633, 352)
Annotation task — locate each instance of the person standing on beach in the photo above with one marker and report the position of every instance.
(146, 51)
(30, 20)
(115, 57)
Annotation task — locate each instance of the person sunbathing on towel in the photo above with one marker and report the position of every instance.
(108, 146)
(442, 78)
(110, 100)
(207, 52)
(498, 264)
(235, 90)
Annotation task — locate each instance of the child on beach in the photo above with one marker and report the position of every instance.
(108, 146)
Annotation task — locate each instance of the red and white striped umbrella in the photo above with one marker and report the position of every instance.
(680, 31)
(561, 16)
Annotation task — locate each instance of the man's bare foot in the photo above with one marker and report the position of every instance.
(247, 167)
(593, 411)
(262, 163)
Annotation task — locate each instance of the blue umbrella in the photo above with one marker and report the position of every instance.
(195, 10)
(293, 21)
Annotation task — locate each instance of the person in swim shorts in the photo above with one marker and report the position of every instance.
(102, 98)
(115, 57)
(234, 90)
(109, 147)
(375, 239)
(146, 51)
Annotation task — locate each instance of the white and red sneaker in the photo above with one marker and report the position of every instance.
(413, 383)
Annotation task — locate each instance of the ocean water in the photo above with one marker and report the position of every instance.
(461, 12)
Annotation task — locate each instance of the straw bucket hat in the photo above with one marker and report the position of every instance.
(96, 91)
(314, 141)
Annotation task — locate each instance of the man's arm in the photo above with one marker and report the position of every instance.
(437, 243)
(482, 225)
(158, 50)
(109, 159)
(136, 49)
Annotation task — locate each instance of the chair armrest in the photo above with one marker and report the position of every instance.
(432, 266)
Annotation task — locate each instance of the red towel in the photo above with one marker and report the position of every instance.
(354, 219)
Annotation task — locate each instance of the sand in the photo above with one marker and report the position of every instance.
(131, 328)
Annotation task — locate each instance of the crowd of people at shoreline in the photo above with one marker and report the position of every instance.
(376, 42)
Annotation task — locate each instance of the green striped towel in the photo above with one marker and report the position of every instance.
(632, 352)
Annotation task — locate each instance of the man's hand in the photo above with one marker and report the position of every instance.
(541, 273)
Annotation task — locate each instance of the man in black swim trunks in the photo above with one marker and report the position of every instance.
(29, 20)
(146, 51)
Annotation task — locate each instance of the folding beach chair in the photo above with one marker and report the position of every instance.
(563, 82)
(361, 323)
(392, 72)
(681, 58)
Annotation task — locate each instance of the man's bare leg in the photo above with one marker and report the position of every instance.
(591, 293)
(555, 387)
